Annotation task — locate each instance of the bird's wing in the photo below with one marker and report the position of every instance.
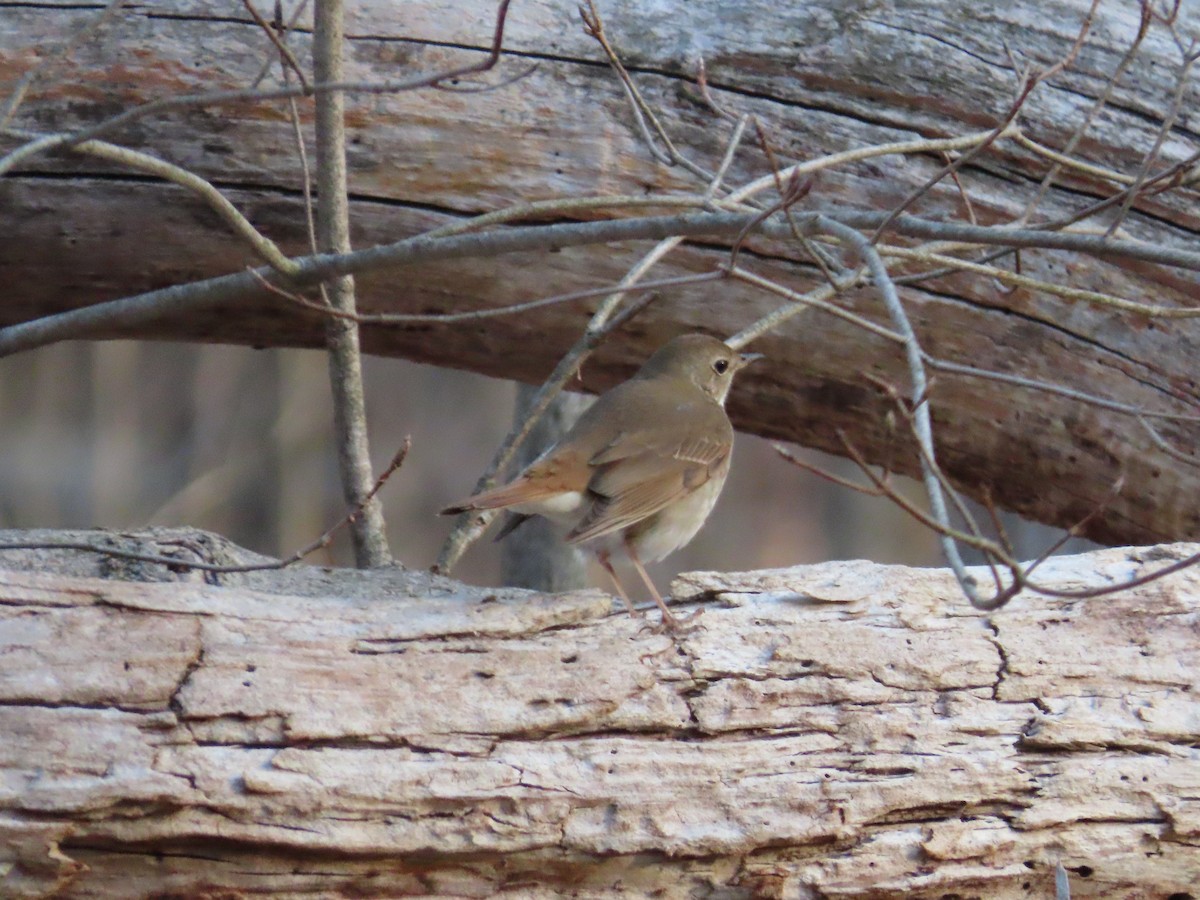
(632, 483)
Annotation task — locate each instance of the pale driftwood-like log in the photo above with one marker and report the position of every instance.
(840, 730)
(823, 77)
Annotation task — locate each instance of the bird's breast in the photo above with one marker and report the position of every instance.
(674, 526)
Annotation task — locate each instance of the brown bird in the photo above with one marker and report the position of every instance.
(641, 469)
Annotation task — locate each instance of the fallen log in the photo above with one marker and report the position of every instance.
(839, 730)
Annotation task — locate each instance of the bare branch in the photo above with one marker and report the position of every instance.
(922, 422)
(178, 299)
(952, 264)
(1165, 129)
(1061, 160)
(274, 33)
(97, 319)
(1006, 121)
(832, 477)
(266, 249)
(475, 314)
(281, 29)
(735, 140)
(670, 156)
(1089, 593)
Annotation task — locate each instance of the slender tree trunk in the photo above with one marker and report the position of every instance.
(333, 236)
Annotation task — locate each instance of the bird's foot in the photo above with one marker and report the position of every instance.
(675, 625)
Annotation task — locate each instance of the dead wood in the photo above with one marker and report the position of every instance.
(840, 730)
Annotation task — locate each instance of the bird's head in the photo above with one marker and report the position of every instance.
(708, 363)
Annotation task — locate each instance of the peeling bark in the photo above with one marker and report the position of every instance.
(824, 77)
(840, 730)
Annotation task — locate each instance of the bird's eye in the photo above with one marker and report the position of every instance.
(721, 366)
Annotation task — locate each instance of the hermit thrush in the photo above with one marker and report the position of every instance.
(641, 469)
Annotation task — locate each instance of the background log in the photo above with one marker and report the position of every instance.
(840, 730)
(823, 77)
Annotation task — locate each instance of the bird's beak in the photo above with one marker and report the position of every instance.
(745, 359)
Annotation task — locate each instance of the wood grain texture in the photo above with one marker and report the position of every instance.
(823, 77)
(840, 730)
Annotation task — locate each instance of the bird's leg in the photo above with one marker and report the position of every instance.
(668, 620)
(604, 561)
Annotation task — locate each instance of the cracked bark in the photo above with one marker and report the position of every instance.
(825, 77)
(840, 730)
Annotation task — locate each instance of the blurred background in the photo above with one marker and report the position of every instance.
(238, 441)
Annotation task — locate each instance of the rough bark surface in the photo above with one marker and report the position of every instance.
(841, 730)
(823, 76)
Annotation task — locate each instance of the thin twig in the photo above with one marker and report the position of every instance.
(1166, 180)
(706, 93)
(735, 140)
(795, 191)
(1188, 459)
(811, 248)
(1148, 161)
(562, 207)
(1032, 384)
(908, 413)
(952, 264)
(453, 87)
(922, 421)
(1075, 530)
(1090, 593)
(266, 249)
(644, 115)
(274, 33)
(1063, 160)
(475, 314)
(938, 527)
(1038, 238)
(1001, 535)
(1101, 101)
(1006, 122)
(962, 191)
(281, 28)
(310, 220)
(833, 477)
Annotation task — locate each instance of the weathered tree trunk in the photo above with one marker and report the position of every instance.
(840, 730)
(822, 77)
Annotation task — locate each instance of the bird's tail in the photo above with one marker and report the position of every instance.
(519, 491)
